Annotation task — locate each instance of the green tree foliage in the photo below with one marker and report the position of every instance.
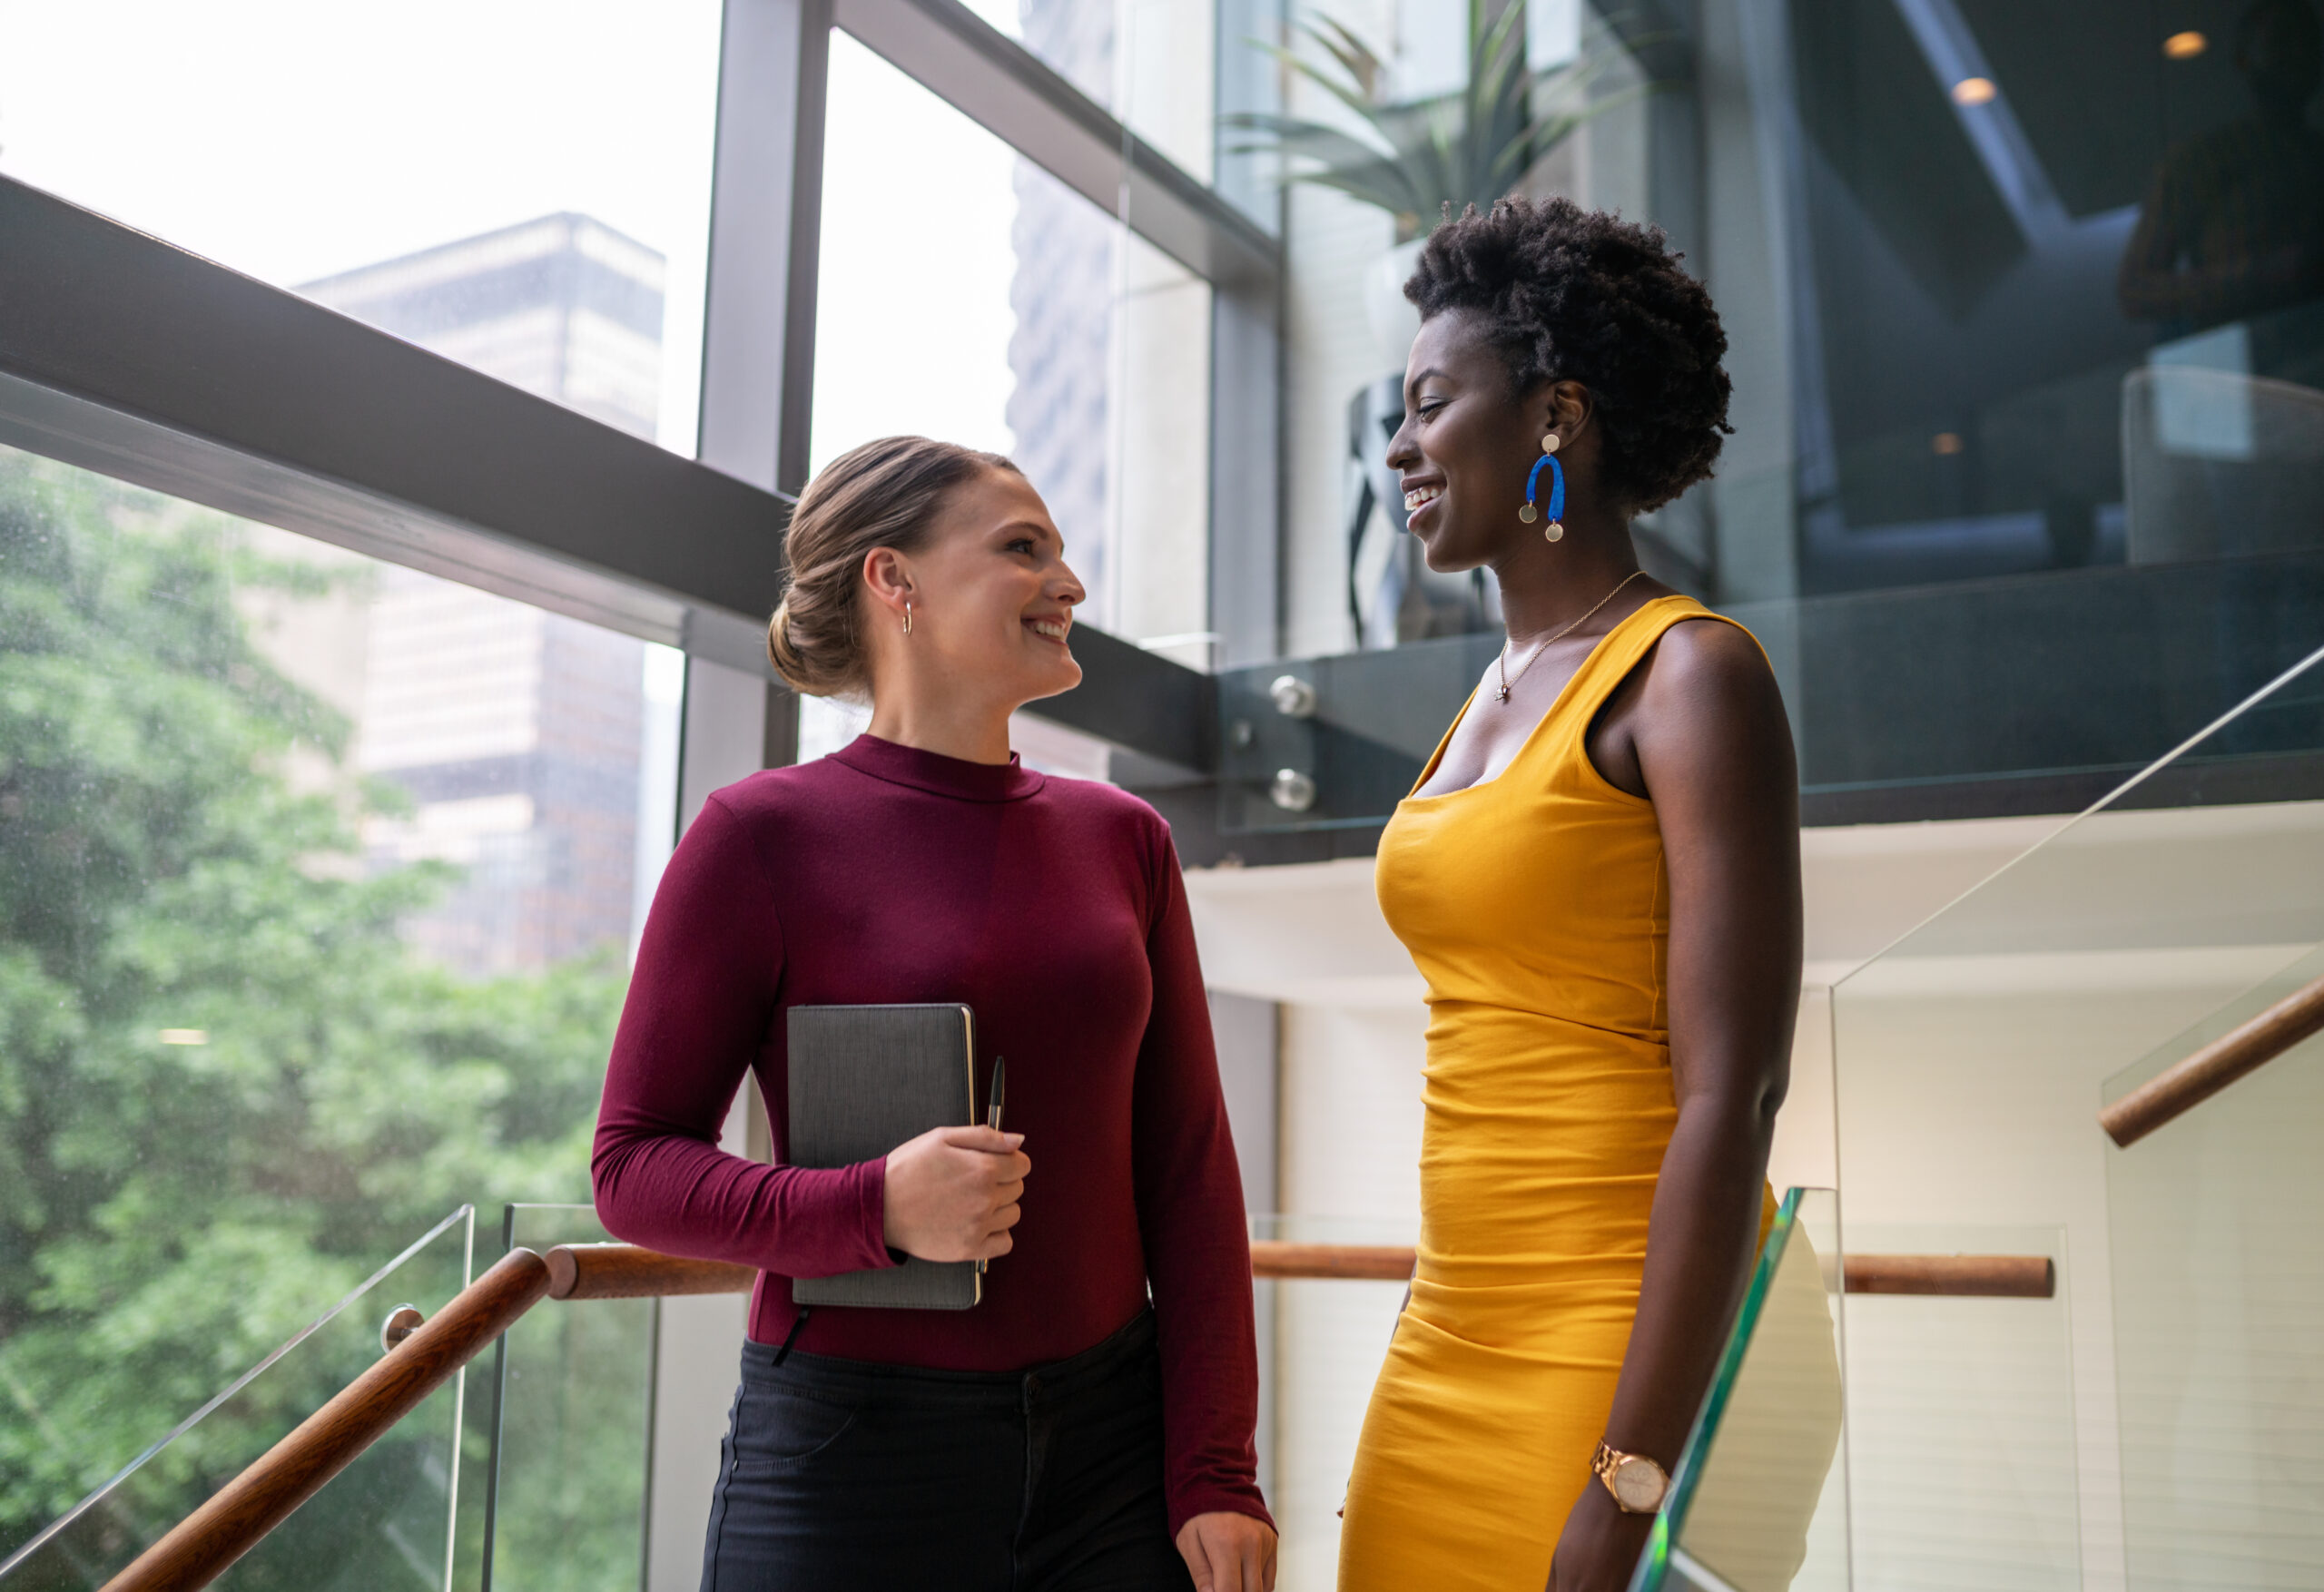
(169, 1213)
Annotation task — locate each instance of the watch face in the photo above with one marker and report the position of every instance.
(1638, 1485)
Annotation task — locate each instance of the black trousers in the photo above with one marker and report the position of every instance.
(840, 1474)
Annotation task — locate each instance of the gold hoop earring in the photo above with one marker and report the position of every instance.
(907, 618)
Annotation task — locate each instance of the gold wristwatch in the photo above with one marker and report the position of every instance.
(1637, 1483)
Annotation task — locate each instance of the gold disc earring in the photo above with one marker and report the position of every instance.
(1527, 512)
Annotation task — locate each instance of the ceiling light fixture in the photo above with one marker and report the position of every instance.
(1974, 91)
(185, 1036)
(2185, 46)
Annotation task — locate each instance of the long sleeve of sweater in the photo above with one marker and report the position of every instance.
(701, 1001)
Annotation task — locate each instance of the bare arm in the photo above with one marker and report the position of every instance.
(1706, 737)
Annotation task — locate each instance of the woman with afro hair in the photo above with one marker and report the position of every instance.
(1598, 875)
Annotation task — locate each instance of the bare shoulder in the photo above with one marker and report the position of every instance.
(1709, 662)
(1712, 714)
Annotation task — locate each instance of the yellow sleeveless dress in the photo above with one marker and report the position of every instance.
(1538, 908)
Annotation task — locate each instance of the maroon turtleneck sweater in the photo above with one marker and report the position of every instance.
(1055, 909)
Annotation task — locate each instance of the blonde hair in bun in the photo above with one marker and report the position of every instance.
(884, 493)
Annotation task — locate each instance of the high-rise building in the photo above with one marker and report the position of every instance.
(514, 732)
(564, 307)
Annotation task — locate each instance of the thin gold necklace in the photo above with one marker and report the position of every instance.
(1502, 694)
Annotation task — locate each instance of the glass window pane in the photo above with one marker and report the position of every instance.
(317, 880)
(521, 186)
(1000, 309)
(1073, 38)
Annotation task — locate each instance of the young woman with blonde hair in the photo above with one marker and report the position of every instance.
(1064, 1433)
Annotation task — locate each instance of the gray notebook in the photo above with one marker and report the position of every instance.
(864, 1079)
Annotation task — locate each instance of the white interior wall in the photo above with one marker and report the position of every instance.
(1349, 1171)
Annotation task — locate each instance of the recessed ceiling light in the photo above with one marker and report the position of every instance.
(1947, 442)
(2185, 46)
(1974, 91)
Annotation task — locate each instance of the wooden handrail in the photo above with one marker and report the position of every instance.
(623, 1270)
(1960, 1276)
(2196, 1079)
(1382, 1262)
(201, 1546)
(199, 1549)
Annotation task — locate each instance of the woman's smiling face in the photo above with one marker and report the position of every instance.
(994, 596)
(1466, 444)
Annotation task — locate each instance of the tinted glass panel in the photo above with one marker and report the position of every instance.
(317, 884)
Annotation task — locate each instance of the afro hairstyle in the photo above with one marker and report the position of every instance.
(1563, 293)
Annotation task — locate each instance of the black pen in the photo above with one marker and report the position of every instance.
(992, 1111)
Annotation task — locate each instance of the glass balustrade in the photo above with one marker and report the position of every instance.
(1962, 1434)
(385, 1522)
(1759, 1498)
(2217, 1267)
(2156, 1418)
(572, 1387)
(570, 1410)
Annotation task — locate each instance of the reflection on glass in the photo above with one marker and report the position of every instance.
(384, 1521)
(572, 1398)
(1991, 271)
(2025, 481)
(522, 187)
(2219, 1281)
(1756, 1500)
(2234, 224)
(316, 885)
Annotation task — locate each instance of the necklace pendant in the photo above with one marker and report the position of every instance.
(1500, 693)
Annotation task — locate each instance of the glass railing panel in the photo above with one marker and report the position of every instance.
(1972, 1057)
(384, 1522)
(1962, 1438)
(1759, 1498)
(316, 874)
(573, 1406)
(1321, 1344)
(2217, 1266)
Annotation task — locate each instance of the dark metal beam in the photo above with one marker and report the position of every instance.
(95, 310)
(1140, 701)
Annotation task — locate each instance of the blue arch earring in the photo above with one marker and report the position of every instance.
(1555, 529)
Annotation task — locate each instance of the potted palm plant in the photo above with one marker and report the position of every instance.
(1419, 159)
(1416, 159)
